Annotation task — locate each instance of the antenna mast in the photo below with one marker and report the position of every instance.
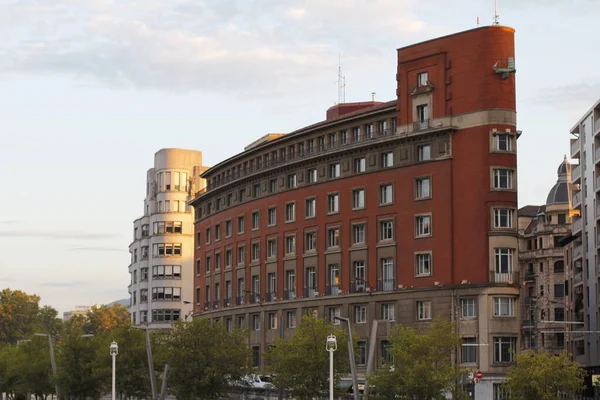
(341, 82)
(496, 16)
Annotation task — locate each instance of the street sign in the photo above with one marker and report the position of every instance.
(479, 375)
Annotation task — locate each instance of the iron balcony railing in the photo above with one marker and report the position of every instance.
(310, 292)
(289, 294)
(270, 296)
(216, 304)
(332, 290)
(254, 298)
(386, 285)
(239, 300)
(227, 302)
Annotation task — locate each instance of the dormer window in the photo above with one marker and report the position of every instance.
(422, 79)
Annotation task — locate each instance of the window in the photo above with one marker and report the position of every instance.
(256, 355)
(344, 137)
(504, 307)
(469, 350)
(333, 203)
(360, 314)
(272, 216)
(382, 127)
(423, 310)
(291, 319)
(229, 199)
(255, 220)
(166, 293)
(256, 190)
(358, 199)
(272, 185)
(165, 316)
(255, 251)
(332, 139)
(423, 261)
(256, 322)
(290, 212)
(290, 244)
(228, 228)
(502, 142)
(333, 277)
(333, 237)
(423, 188)
(207, 236)
(423, 116)
(504, 349)
(166, 249)
(242, 196)
(562, 218)
(503, 260)
(334, 170)
(271, 248)
(290, 280)
(311, 281)
(356, 134)
(311, 207)
(358, 234)
(369, 131)
(273, 320)
(272, 289)
(217, 232)
(559, 314)
(292, 181)
(241, 255)
(559, 266)
(468, 308)
(311, 241)
(387, 159)
(388, 312)
(424, 152)
(144, 274)
(386, 230)
(360, 165)
(386, 194)
(503, 218)
(333, 313)
(241, 224)
(217, 261)
(422, 79)
(207, 265)
(559, 290)
(387, 274)
(312, 175)
(501, 392)
(361, 353)
(423, 225)
(503, 179)
(387, 355)
(165, 272)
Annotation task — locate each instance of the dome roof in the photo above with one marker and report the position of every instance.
(560, 192)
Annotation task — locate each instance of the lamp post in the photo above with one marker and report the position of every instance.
(52, 361)
(331, 346)
(350, 356)
(114, 350)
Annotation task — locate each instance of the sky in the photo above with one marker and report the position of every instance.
(90, 90)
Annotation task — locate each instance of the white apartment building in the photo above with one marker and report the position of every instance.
(583, 260)
(162, 251)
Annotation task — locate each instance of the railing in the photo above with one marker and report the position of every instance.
(227, 302)
(254, 298)
(289, 294)
(529, 276)
(577, 224)
(577, 251)
(270, 296)
(310, 292)
(575, 173)
(207, 306)
(386, 284)
(577, 277)
(353, 141)
(575, 146)
(527, 323)
(358, 288)
(577, 198)
(239, 300)
(216, 304)
(421, 125)
(332, 290)
(511, 277)
(598, 211)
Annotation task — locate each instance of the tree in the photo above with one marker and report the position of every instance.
(105, 318)
(422, 367)
(48, 321)
(132, 379)
(18, 315)
(542, 376)
(33, 368)
(301, 364)
(204, 359)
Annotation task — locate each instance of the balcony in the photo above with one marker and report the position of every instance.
(239, 301)
(576, 174)
(227, 302)
(386, 285)
(597, 156)
(271, 296)
(577, 225)
(216, 304)
(358, 288)
(332, 290)
(577, 252)
(577, 277)
(310, 292)
(289, 294)
(510, 278)
(576, 199)
(527, 323)
(421, 125)
(529, 276)
(575, 148)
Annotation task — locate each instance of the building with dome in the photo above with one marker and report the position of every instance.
(541, 259)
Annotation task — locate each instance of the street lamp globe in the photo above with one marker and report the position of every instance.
(331, 344)
(114, 349)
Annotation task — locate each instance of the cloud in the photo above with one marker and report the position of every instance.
(249, 47)
(9, 222)
(60, 284)
(96, 248)
(58, 235)
(577, 96)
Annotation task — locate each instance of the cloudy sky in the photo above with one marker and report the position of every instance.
(89, 90)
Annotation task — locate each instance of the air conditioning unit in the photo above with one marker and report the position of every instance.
(464, 282)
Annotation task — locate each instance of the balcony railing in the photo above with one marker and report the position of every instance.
(386, 284)
(527, 323)
(358, 288)
(216, 304)
(577, 277)
(575, 147)
(529, 276)
(239, 300)
(227, 302)
(254, 298)
(332, 290)
(421, 125)
(577, 224)
(289, 294)
(511, 277)
(577, 198)
(577, 251)
(597, 153)
(310, 292)
(207, 306)
(576, 173)
(270, 296)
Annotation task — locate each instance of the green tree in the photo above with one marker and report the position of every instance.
(204, 358)
(105, 318)
(48, 321)
(10, 380)
(132, 378)
(422, 367)
(301, 364)
(541, 376)
(33, 368)
(18, 315)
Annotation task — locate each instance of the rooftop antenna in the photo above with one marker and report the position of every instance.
(496, 15)
(478, 21)
(341, 82)
(373, 96)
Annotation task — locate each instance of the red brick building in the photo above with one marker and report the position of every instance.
(399, 211)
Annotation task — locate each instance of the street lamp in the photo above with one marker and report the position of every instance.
(331, 346)
(350, 355)
(114, 350)
(52, 361)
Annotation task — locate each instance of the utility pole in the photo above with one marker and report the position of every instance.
(351, 356)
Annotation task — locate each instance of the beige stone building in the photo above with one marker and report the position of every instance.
(162, 250)
(541, 257)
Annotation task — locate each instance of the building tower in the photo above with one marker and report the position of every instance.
(541, 258)
(162, 267)
(396, 211)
